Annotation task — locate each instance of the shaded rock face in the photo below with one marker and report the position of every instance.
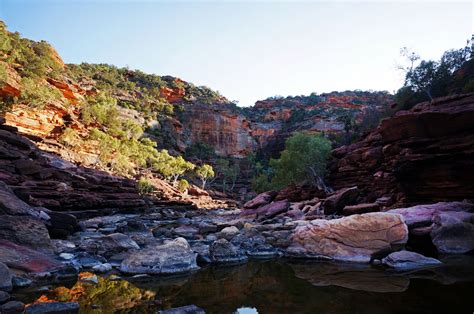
(357, 238)
(425, 154)
(453, 232)
(173, 257)
(448, 225)
(40, 179)
(337, 201)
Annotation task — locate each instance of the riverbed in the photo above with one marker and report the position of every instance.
(276, 286)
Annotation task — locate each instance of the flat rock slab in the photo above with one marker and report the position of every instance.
(360, 208)
(409, 260)
(422, 215)
(23, 258)
(170, 258)
(357, 238)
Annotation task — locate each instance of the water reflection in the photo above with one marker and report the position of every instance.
(281, 287)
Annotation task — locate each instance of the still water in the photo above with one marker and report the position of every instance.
(278, 287)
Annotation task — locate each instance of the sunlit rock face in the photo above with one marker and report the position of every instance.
(274, 120)
(220, 126)
(357, 238)
(43, 122)
(11, 87)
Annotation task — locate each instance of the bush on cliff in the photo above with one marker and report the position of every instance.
(427, 79)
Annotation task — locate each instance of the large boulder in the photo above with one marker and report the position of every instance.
(27, 231)
(23, 258)
(261, 199)
(172, 257)
(357, 238)
(453, 232)
(336, 202)
(409, 260)
(268, 211)
(109, 245)
(422, 215)
(222, 251)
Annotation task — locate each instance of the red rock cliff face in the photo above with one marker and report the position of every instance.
(425, 154)
(274, 120)
(219, 126)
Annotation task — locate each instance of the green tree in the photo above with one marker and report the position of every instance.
(429, 78)
(205, 172)
(303, 160)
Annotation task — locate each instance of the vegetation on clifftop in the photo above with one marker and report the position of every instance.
(427, 79)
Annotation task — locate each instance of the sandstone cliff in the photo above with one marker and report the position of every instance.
(425, 154)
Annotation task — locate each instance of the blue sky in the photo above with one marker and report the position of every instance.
(248, 50)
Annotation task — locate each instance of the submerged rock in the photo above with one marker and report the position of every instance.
(4, 297)
(188, 309)
(172, 257)
(357, 238)
(53, 307)
(409, 260)
(12, 307)
(222, 251)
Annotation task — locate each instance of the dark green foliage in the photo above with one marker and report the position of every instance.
(200, 151)
(430, 79)
(303, 161)
(144, 186)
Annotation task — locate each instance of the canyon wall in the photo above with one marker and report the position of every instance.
(425, 154)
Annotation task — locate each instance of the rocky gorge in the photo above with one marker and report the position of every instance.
(53, 227)
(398, 207)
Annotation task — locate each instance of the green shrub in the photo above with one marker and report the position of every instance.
(303, 160)
(144, 186)
(38, 94)
(183, 185)
(205, 172)
(261, 183)
(70, 137)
